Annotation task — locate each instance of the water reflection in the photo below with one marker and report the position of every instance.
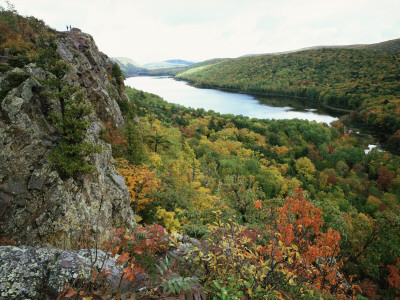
(231, 103)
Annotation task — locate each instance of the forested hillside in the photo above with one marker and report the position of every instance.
(176, 70)
(391, 46)
(205, 206)
(363, 81)
(237, 184)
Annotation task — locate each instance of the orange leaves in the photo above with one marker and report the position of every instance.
(292, 251)
(115, 251)
(129, 273)
(135, 249)
(123, 258)
(71, 292)
(394, 276)
(298, 219)
(140, 182)
(310, 253)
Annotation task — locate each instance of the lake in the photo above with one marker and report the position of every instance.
(180, 92)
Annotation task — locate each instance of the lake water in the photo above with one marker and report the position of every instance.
(180, 92)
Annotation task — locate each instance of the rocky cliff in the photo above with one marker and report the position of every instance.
(37, 205)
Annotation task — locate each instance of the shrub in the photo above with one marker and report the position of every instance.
(18, 61)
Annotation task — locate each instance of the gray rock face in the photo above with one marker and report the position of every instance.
(37, 206)
(41, 273)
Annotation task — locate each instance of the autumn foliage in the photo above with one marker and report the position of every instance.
(312, 254)
(115, 138)
(394, 277)
(292, 251)
(140, 182)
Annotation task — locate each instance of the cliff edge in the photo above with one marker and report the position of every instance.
(37, 204)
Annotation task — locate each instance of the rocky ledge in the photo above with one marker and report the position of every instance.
(42, 273)
(37, 206)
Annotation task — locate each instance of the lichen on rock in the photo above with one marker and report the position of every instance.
(41, 273)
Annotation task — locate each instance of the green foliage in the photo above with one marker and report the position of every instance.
(215, 168)
(14, 80)
(135, 151)
(358, 80)
(18, 61)
(179, 285)
(69, 157)
(116, 73)
(196, 231)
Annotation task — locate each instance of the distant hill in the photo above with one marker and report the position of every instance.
(176, 70)
(208, 62)
(172, 63)
(391, 46)
(128, 66)
(353, 79)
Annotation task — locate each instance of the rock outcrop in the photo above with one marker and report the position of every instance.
(37, 206)
(41, 273)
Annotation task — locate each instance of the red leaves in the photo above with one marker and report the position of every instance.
(385, 178)
(394, 276)
(132, 245)
(113, 136)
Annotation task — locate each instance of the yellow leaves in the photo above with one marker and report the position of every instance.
(305, 167)
(155, 159)
(168, 219)
(204, 200)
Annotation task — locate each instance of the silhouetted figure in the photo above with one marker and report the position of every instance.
(70, 27)
(67, 28)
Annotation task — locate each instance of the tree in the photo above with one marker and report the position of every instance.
(394, 276)
(385, 178)
(289, 252)
(305, 167)
(241, 192)
(135, 150)
(141, 184)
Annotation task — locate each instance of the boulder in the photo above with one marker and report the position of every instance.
(41, 273)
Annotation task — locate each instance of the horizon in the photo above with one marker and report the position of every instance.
(256, 54)
(155, 30)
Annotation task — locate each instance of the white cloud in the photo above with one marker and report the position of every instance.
(154, 30)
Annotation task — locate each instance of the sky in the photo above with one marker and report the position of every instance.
(197, 30)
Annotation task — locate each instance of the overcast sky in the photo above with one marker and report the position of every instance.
(196, 30)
